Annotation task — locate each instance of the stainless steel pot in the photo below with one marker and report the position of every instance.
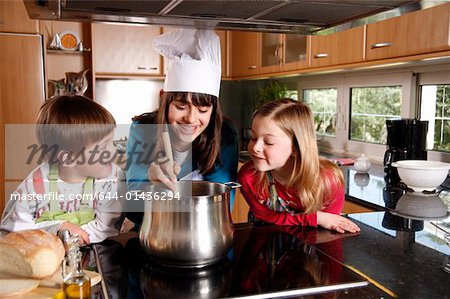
(189, 227)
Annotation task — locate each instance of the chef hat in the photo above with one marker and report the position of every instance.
(194, 60)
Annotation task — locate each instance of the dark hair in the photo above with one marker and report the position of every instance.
(72, 122)
(206, 147)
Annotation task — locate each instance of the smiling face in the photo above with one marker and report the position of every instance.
(188, 121)
(270, 148)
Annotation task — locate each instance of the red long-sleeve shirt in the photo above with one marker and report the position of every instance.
(248, 178)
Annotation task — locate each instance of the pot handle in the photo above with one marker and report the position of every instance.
(233, 185)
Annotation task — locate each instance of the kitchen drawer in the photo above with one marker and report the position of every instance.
(338, 48)
(424, 31)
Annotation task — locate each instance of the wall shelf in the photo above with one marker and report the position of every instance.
(69, 52)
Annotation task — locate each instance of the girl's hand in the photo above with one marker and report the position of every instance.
(336, 222)
(164, 172)
(76, 229)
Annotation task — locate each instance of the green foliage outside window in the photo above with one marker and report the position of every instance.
(323, 104)
(370, 107)
(442, 119)
(270, 91)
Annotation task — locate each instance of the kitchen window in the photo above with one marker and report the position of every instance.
(434, 95)
(350, 110)
(435, 107)
(323, 103)
(369, 109)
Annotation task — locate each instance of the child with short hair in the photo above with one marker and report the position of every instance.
(78, 188)
(287, 183)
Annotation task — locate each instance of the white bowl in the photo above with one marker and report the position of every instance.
(419, 205)
(421, 175)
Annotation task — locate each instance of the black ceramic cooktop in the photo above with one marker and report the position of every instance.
(265, 262)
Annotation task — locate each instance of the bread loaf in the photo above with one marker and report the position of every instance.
(16, 286)
(30, 253)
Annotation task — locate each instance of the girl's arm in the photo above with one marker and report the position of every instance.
(329, 217)
(336, 222)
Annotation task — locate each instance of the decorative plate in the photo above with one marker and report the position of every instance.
(69, 40)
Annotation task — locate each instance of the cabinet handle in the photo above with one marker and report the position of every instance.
(149, 68)
(252, 67)
(381, 45)
(321, 55)
(279, 53)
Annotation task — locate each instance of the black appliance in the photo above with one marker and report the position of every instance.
(406, 140)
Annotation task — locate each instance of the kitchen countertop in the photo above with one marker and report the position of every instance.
(400, 257)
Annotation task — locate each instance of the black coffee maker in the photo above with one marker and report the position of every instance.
(406, 140)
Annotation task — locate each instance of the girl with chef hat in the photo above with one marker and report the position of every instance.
(204, 145)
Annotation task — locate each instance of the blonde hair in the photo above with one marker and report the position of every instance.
(312, 176)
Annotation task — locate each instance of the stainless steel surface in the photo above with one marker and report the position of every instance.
(194, 230)
(290, 16)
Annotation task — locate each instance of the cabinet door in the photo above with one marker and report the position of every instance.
(14, 18)
(22, 93)
(244, 53)
(125, 50)
(271, 52)
(338, 48)
(419, 32)
(223, 35)
(295, 52)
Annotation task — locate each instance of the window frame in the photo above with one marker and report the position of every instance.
(341, 144)
(434, 78)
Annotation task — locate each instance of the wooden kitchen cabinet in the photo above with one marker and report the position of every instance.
(244, 51)
(352, 208)
(125, 50)
(295, 52)
(14, 18)
(224, 52)
(423, 31)
(338, 48)
(59, 62)
(282, 52)
(271, 45)
(240, 207)
(21, 95)
(21, 90)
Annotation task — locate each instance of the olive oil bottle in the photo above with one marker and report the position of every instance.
(76, 283)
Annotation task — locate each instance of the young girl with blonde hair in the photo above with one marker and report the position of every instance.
(287, 183)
